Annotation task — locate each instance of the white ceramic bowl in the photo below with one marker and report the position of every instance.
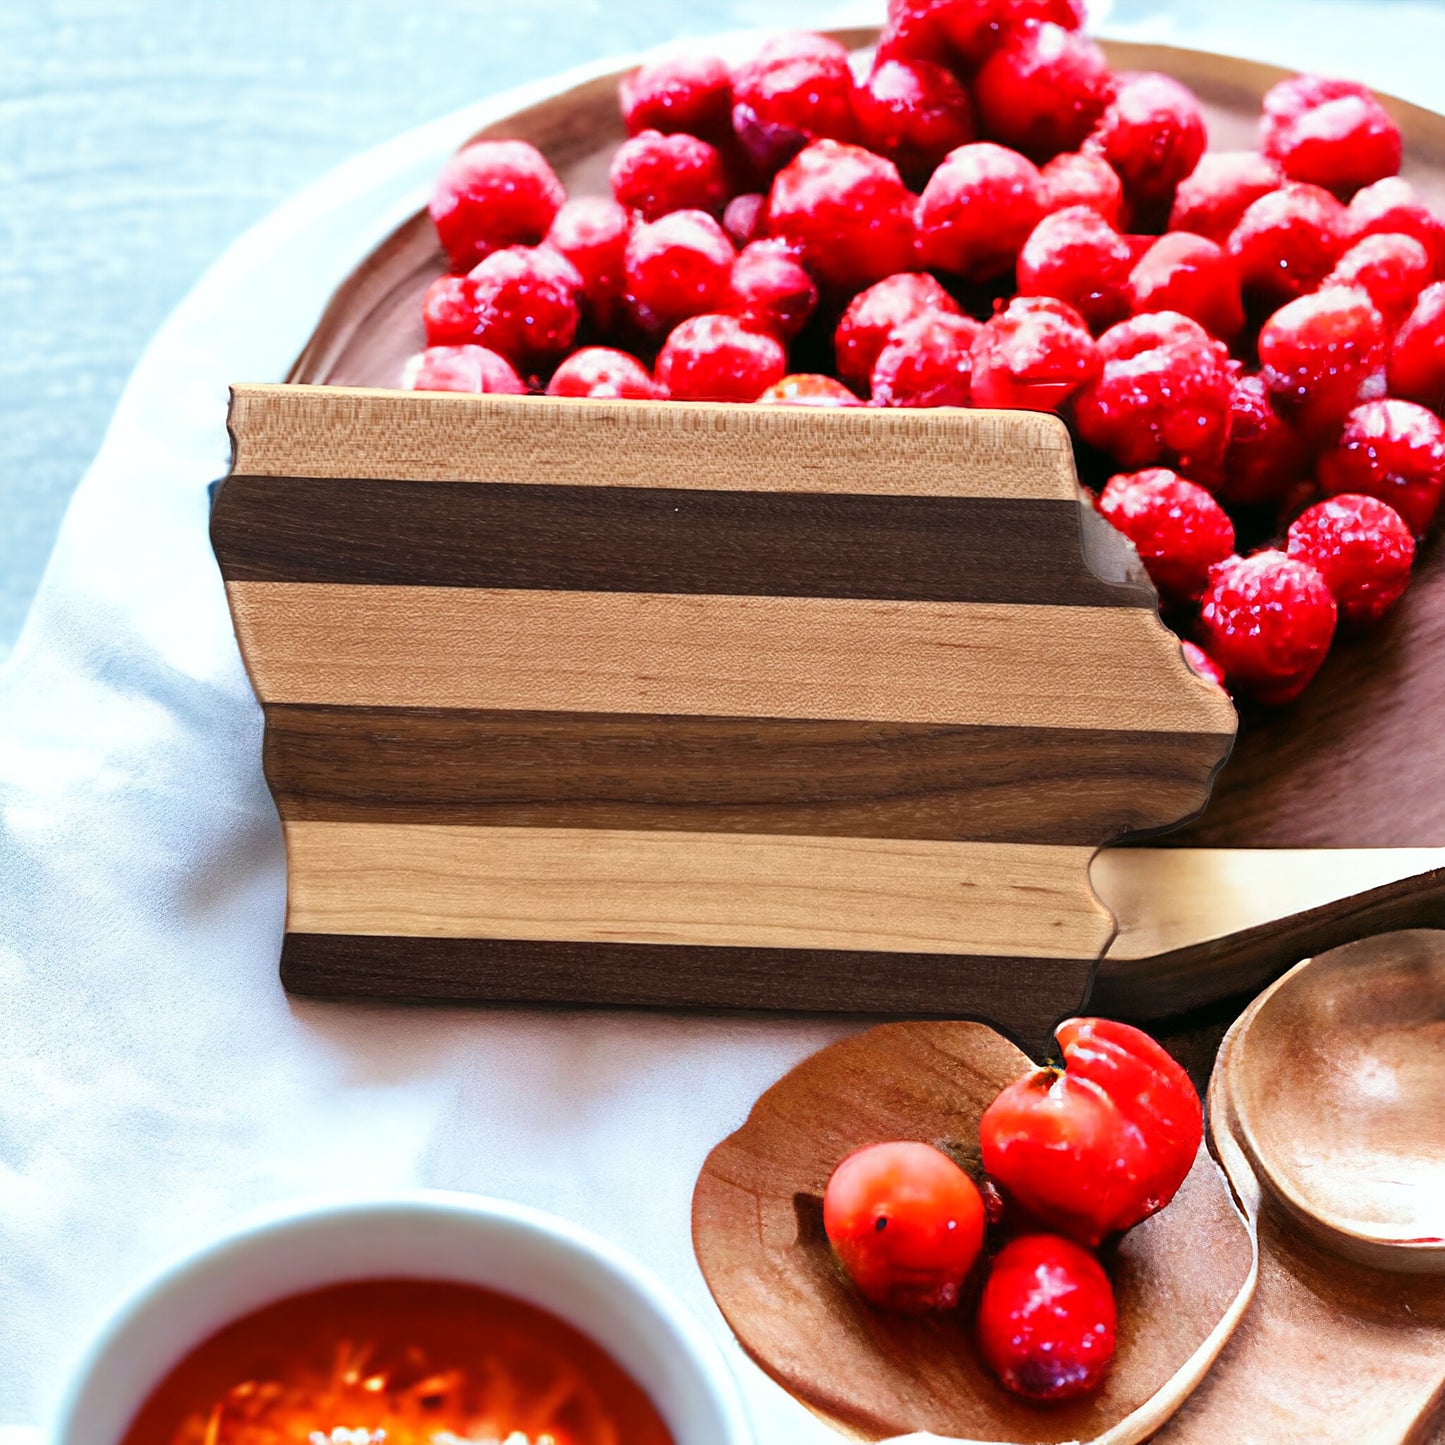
(429, 1235)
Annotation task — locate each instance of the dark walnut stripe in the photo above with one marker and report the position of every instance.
(664, 540)
(712, 774)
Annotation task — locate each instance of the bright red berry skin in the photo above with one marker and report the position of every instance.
(653, 174)
(745, 218)
(1393, 450)
(1077, 178)
(1268, 621)
(449, 311)
(913, 31)
(1265, 456)
(1078, 257)
(1416, 367)
(715, 358)
(977, 210)
(1393, 269)
(1152, 134)
(873, 314)
(528, 304)
(676, 267)
(808, 389)
(1161, 397)
(687, 93)
(1201, 662)
(1047, 1319)
(592, 232)
(1177, 528)
(1042, 90)
(847, 213)
(770, 291)
(906, 1224)
(1220, 189)
(1033, 356)
(1193, 276)
(1362, 548)
(1105, 1143)
(463, 368)
(1392, 207)
(913, 113)
(493, 194)
(976, 28)
(798, 88)
(599, 371)
(926, 362)
(1316, 351)
(1331, 133)
(1288, 241)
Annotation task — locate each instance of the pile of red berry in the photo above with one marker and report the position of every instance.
(1249, 346)
(1074, 1157)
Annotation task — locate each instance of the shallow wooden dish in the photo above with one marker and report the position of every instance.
(757, 1230)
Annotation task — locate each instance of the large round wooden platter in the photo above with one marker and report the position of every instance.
(1328, 823)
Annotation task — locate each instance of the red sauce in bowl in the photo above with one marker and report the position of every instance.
(424, 1361)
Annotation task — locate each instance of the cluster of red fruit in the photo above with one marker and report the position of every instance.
(1073, 1158)
(1235, 335)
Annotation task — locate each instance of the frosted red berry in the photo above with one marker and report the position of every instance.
(1362, 548)
(1211, 200)
(449, 311)
(809, 389)
(1316, 351)
(873, 314)
(691, 93)
(913, 30)
(653, 174)
(676, 267)
(977, 210)
(1077, 178)
(493, 194)
(1265, 456)
(1331, 133)
(798, 88)
(1177, 528)
(1193, 276)
(592, 232)
(1033, 356)
(716, 358)
(599, 371)
(847, 213)
(1076, 255)
(1288, 241)
(1416, 368)
(1202, 663)
(976, 28)
(926, 362)
(1268, 621)
(463, 368)
(1392, 269)
(1152, 133)
(1393, 206)
(1393, 450)
(528, 304)
(914, 113)
(770, 291)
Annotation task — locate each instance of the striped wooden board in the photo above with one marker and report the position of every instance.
(694, 705)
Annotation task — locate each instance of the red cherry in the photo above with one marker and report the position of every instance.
(770, 291)
(914, 113)
(745, 218)
(977, 210)
(592, 233)
(1317, 350)
(808, 389)
(493, 194)
(1331, 133)
(1417, 355)
(599, 371)
(715, 358)
(1393, 269)
(1152, 134)
(1393, 450)
(449, 311)
(653, 174)
(906, 1224)
(1033, 356)
(926, 362)
(798, 88)
(873, 314)
(1077, 178)
(1363, 550)
(1077, 256)
(976, 28)
(691, 93)
(1265, 456)
(1201, 662)
(1211, 200)
(1047, 1319)
(1288, 241)
(1177, 528)
(913, 31)
(847, 213)
(1193, 276)
(528, 304)
(462, 368)
(676, 267)
(1393, 207)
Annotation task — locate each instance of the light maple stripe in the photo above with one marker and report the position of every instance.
(592, 885)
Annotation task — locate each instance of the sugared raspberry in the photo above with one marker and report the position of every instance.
(1077, 256)
(1033, 356)
(1077, 178)
(1220, 189)
(976, 28)
(846, 211)
(1317, 351)
(808, 389)
(1393, 450)
(599, 371)
(691, 93)
(926, 362)
(462, 368)
(528, 304)
(914, 113)
(798, 88)
(977, 210)
(1268, 621)
(1193, 276)
(1152, 133)
(1042, 90)
(873, 314)
(1331, 133)
(1202, 663)
(1177, 528)
(653, 174)
(449, 311)
(591, 232)
(1161, 397)
(745, 218)
(1362, 549)
(1265, 456)
(676, 267)
(1288, 241)
(1417, 355)
(1393, 207)
(1393, 269)
(715, 358)
(493, 194)
(770, 291)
